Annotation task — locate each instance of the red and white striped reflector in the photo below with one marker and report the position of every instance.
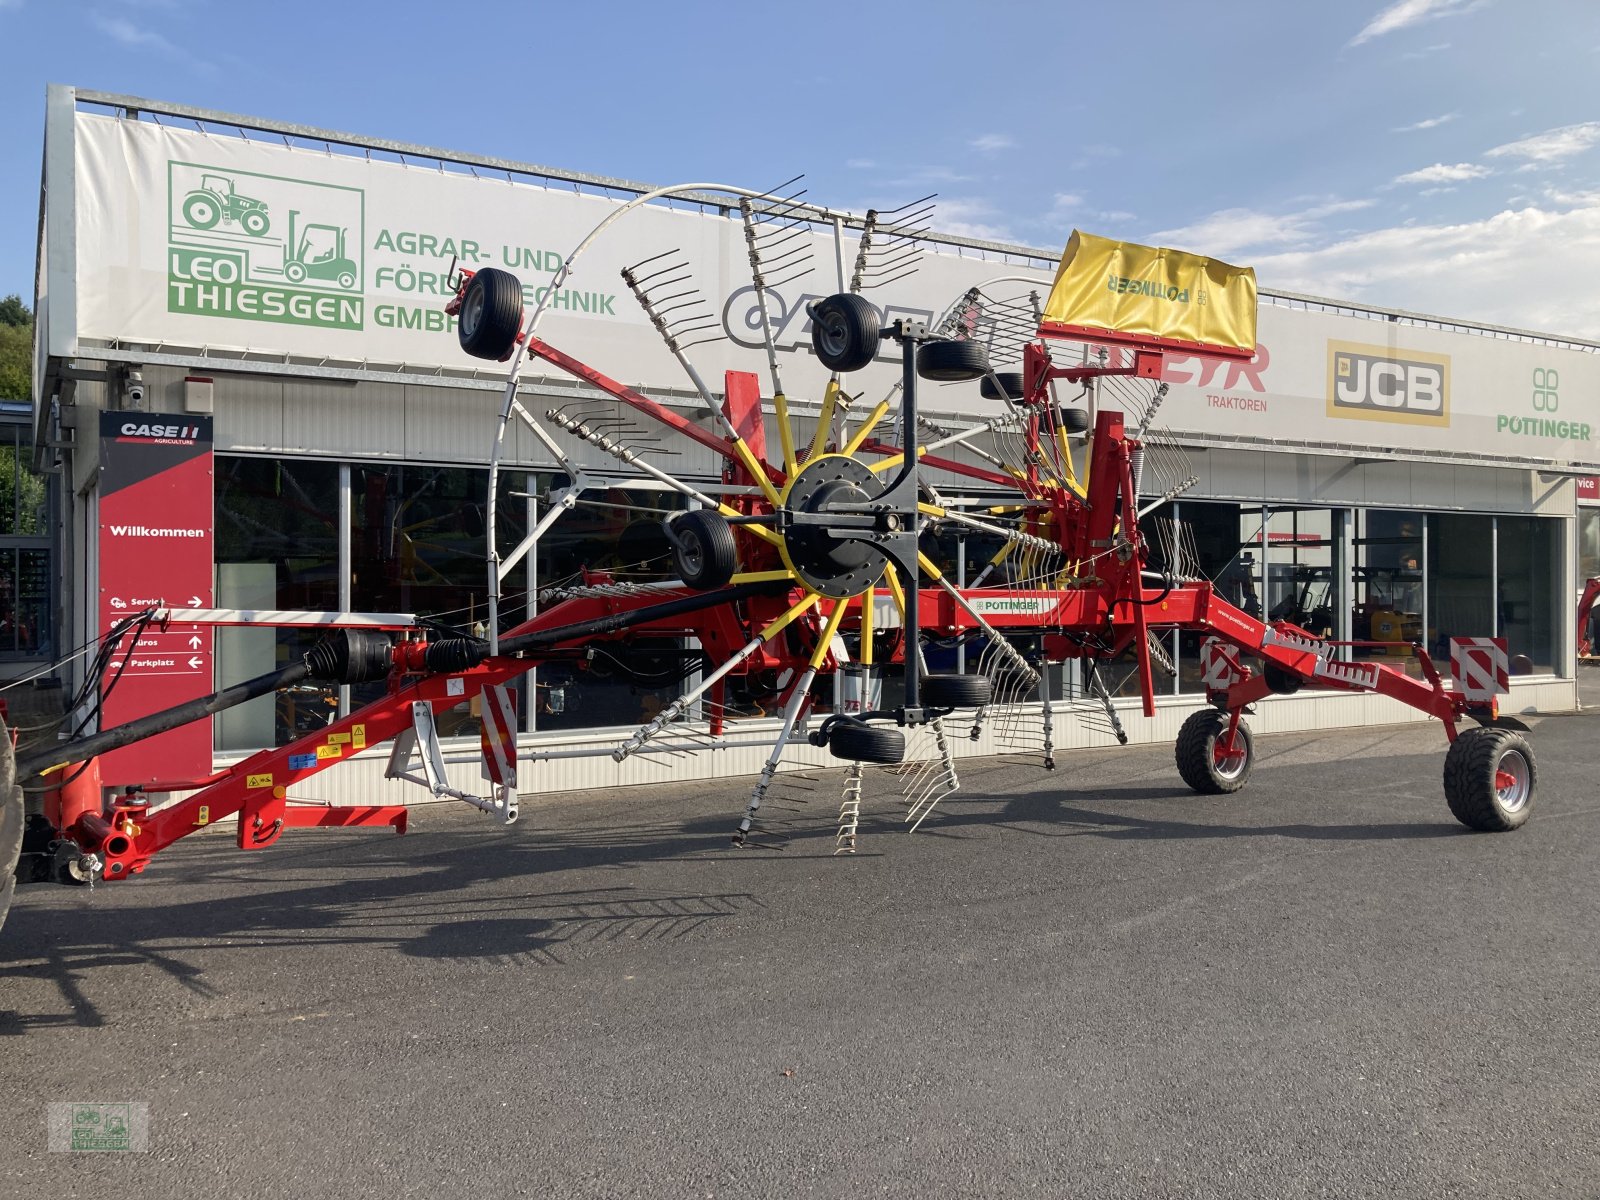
(1481, 667)
(499, 735)
(1219, 664)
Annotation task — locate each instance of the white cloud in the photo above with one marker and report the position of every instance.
(1406, 13)
(1235, 229)
(990, 142)
(1553, 145)
(971, 218)
(1516, 268)
(1425, 52)
(860, 164)
(1442, 173)
(1427, 123)
(125, 32)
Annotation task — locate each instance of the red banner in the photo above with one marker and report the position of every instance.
(1589, 489)
(156, 505)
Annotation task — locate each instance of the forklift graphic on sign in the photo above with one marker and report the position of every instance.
(228, 225)
(318, 252)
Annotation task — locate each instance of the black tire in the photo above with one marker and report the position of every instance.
(952, 362)
(956, 691)
(201, 210)
(845, 332)
(491, 315)
(703, 549)
(861, 742)
(13, 822)
(1281, 680)
(1074, 420)
(1196, 754)
(255, 222)
(1002, 385)
(1473, 785)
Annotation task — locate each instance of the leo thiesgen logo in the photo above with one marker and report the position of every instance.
(1376, 383)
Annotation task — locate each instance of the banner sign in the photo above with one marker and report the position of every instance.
(1153, 292)
(187, 240)
(155, 543)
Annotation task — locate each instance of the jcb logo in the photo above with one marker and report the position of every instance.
(1377, 384)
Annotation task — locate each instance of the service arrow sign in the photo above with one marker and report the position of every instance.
(196, 663)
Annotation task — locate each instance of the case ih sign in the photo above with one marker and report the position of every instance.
(156, 505)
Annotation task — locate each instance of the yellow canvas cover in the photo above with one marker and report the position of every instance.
(1148, 291)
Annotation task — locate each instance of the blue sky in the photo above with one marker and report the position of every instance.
(1436, 155)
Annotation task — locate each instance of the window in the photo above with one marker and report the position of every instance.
(277, 546)
(26, 563)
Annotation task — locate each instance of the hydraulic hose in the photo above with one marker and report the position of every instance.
(106, 740)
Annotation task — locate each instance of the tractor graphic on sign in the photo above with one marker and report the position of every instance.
(216, 200)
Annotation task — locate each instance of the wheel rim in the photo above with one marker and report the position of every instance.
(471, 311)
(1228, 764)
(689, 555)
(1512, 781)
(202, 214)
(835, 337)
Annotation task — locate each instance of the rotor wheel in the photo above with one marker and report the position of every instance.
(491, 315)
(1489, 779)
(860, 742)
(703, 549)
(845, 332)
(1281, 680)
(1002, 385)
(956, 691)
(952, 362)
(1204, 765)
(1074, 420)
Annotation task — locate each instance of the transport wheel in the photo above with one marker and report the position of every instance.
(845, 332)
(294, 271)
(13, 819)
(491, 315)
(1281, 680)
(956, 691)
(1200, 762)
(1074, 420)
(860, 742)
(255, 223)
(1009, 386)
(1489, 778)
(703, 549)
(952, 362)
(201, 211)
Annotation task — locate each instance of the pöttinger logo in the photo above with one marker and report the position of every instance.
(258, 247)
(1376, 383)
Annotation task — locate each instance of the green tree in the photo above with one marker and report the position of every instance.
(14, 312)
(16, 362)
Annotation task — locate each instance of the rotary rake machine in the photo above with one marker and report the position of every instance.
(811, 562)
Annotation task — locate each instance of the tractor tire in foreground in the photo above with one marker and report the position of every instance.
(12, 820)
(1198, 759)
(1489, 779)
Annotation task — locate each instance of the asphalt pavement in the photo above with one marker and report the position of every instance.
(1090, 983)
